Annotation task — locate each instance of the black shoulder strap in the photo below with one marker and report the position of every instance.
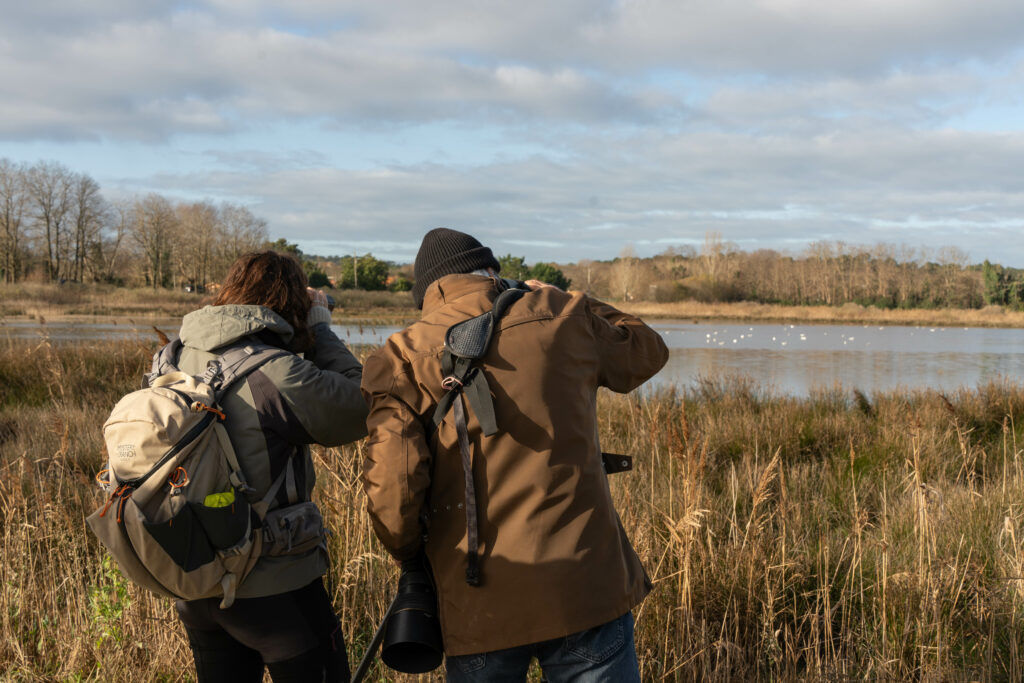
(464, 343)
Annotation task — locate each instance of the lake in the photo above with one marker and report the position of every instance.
(787, 358)
(794, 358)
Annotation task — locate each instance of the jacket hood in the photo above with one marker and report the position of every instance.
(214, 326)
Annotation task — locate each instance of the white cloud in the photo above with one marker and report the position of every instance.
(196, 73)
(757, 192)
(587, 124)
(138, 72)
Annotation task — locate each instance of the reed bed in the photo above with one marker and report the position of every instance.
(989, 316)
(75, 301)
(48, 301)
(832, 537)
(85, 301)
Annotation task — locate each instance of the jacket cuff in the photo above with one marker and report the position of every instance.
(407, 552)
(318, 314)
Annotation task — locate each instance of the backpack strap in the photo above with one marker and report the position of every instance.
(236, 363)
(221, 372)
(263, 505)
(165, 360)
(235, 476)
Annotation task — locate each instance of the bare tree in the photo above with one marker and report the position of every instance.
(885, 273)
(821, 261)
(89, 213)
(107, 252)
(152, 228)
(198, 228)
(759, 276)
(954, 284)
(909, 261)
(716, 265)
(50, 189)
(587, 268)
(240, 232)
(13, 201)
(712, 256)
(625, 275)
(952, 263)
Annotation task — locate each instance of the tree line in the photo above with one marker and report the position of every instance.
(56, 226)
(825, 273)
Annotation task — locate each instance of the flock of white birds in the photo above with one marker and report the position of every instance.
(789, 336)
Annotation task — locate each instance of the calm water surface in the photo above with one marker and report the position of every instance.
(787, 358)
(794, 358)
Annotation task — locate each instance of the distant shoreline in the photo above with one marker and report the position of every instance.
(852, 314)
(21, 304)
(990, 316)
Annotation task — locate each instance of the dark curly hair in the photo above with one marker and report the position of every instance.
(274, 280)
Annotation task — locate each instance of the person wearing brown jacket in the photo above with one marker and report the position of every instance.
(554, 575)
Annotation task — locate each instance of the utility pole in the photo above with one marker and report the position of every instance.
(355, 271)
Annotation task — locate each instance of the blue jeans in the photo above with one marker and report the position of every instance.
(601, 654)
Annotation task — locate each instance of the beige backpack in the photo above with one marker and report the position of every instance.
(180, 518)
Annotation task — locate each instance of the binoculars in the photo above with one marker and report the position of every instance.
(410, 631)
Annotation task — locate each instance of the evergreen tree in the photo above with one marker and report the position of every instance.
(362, 272)
(546, 272)
(283, 246)
(514, 267)
(317, 278)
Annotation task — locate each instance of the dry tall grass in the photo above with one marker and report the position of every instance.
(76, 301)
(82, 302)
(990, 316)
(31, 300)
(834, 537)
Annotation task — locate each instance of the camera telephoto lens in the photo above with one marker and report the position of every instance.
(412, 643)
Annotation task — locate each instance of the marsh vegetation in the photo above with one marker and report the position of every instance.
(830, 537)
(74, 301)
(50, 302)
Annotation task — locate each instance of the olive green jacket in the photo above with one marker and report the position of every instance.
(280, 408)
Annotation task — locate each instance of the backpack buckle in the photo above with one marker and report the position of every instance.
(178, 480)
(239, 482)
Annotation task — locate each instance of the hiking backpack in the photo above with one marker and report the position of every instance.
(180, 518)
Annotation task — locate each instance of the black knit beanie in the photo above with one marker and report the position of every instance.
(445, 252)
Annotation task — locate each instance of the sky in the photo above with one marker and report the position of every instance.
(557, 131)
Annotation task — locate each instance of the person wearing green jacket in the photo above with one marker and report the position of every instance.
(282, 617)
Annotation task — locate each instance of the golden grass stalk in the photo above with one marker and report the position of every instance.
(788, 539)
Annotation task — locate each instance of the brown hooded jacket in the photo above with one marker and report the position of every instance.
(554, 557)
